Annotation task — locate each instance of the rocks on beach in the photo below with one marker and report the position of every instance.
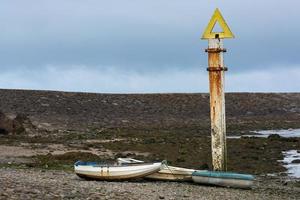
(48, 184)
(15, 124)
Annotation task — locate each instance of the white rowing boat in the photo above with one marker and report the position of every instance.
(167, 173)
(93, 170)
(170, 173)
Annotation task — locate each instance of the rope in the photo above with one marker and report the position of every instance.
(164, 162)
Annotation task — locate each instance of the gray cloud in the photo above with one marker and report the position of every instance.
(115, 80)
(144, 37)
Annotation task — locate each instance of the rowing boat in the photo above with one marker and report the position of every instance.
(225, 179)
(170, 173)
(93, 170)
(167, 173)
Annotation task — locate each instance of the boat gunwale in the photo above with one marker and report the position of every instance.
(224, 175)
(112, 165)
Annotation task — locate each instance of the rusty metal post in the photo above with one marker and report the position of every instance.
(216, 84)
(217, 103)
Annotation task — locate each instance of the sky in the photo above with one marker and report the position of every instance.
(149, 46)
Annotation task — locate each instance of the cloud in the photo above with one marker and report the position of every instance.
(106, 79)
(145, 46)
(143, 35)
(101, 79)
(268, 79)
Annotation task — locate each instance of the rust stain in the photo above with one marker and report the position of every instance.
(217, 103)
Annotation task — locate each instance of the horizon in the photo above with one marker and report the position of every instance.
(150, 93)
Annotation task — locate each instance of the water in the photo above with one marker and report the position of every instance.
(266, 133)
(283, 133)
(293, 169)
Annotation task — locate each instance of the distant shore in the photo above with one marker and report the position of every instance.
(86, 111)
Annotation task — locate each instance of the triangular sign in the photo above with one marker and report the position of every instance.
(217, 18)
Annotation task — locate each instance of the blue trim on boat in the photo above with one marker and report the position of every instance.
(103, 164)
(88, 163)
(228, 175)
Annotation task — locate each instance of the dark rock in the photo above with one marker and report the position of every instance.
(16, 125)
(6, 124)
(130, 154)
(3, 131)
(204, 166)
(23, 123)
(150, 141)
(119, 155)
(180, 159)
(296, 161)
(274, 136)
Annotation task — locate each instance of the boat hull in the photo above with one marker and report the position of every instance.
(169, 173)
(116, 172)
(224, 179)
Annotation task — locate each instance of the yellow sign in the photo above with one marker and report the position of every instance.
(217, 18)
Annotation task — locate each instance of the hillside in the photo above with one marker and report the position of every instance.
(80, 111)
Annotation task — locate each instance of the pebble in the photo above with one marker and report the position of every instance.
(49, 184)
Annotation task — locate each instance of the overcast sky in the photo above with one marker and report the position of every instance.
(133, 46)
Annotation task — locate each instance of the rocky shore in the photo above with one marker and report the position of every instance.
(43, 133)
(49, 184)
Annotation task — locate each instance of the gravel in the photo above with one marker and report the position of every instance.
(49, 184)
